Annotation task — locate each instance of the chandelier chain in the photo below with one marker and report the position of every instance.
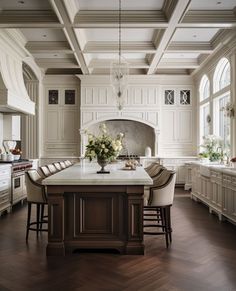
(119, 31)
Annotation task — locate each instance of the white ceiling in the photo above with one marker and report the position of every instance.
(157, 35)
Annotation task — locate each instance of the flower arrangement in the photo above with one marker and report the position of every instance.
(104, 146)
(213, 148)
(228, 109)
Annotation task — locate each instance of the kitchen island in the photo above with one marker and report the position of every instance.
(87, 210)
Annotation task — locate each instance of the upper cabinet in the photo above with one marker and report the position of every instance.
(177, 97)
(11, 127)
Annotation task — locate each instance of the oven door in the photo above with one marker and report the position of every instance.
(17, 187)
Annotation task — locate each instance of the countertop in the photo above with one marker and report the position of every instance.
(215, 167)
(86, 174)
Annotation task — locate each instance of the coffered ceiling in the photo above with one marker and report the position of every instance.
(158, 36)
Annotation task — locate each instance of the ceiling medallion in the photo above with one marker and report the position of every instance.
(119, 72)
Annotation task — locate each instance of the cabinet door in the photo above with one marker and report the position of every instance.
(69, 125)
(184, 132)
(52, 125)
(168, 131)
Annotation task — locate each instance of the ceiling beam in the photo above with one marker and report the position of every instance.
(113, 47)
(177, 14)
(48, 47)
(106, 63)
(57, 63)
(61, 9)
(29, 18)
(209, 19)
(129, 19)
(178, 64)
(190, 47)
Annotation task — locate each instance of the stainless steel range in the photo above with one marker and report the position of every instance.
(18, 180)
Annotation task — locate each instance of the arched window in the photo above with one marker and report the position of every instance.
(222, 75)
(204, 88)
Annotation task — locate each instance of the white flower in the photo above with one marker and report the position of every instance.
(93, 154)
(106, 150)
(103, 146)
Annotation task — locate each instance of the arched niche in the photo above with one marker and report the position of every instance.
(138, 135)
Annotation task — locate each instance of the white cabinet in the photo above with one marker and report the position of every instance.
(5, 188)
(61, 122)
(11, 127)
(218, 191)
(178, 164)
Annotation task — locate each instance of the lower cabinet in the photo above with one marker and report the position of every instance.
(217, 191)
(5, 188)
(180, 166)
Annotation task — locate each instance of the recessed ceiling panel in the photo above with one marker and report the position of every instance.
(114, 4)
(194, 34)
(113, 34)
(41, 34)
(53, 56)
(212, 5)
(25, 5)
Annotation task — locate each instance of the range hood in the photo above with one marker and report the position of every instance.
(13, 94)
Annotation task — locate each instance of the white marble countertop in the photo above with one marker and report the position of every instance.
(86, 174)
(216, 167)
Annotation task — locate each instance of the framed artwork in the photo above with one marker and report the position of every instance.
(169, 97)
(53, 97)
(70, 97)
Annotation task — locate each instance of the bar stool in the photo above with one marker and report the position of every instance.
(62, 164)
(57, 166)
(36, 195)
(67, 163)
(45, 171)
(160, 201)
(52, 169)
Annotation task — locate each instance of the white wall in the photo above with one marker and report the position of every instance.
(1, 131)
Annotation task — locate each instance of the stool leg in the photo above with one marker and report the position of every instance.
(37, 218)
(42, 214)
(169, 224)
(28, 220)
(165, 227)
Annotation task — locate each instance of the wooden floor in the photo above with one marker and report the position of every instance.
(202, 257)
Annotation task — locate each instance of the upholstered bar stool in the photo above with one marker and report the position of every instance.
(45, 171)
(62, 164)
(67, 163)
(160, 202)
(36, 195)
(52, 169)
(57, 166)
(155, 170)
(148, 168)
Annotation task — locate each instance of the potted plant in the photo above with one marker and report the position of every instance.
(204, 157)
(233, 161)
(213, 147)
(103, 147)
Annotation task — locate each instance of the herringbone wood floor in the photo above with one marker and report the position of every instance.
(202, 257)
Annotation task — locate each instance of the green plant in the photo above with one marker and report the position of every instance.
(213, 147)
(103, 146)
(203, 155)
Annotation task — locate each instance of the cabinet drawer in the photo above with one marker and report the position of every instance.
(4, 197)
(4, 184)
(5, 172)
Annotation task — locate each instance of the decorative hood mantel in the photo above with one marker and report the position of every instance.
(13, 93)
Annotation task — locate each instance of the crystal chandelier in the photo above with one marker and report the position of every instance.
(119, 72)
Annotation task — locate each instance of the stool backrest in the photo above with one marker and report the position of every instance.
(45, 171)
(57, 166)
(162, 193)
(62, 164)
(67, 163)
(35, 191)
(155, 170)
(52, 169)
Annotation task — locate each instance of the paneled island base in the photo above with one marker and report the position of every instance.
(95, 217)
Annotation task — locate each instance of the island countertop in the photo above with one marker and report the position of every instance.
(86, 174)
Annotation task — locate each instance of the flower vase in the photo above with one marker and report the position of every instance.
(102, 162)
(234, 164)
